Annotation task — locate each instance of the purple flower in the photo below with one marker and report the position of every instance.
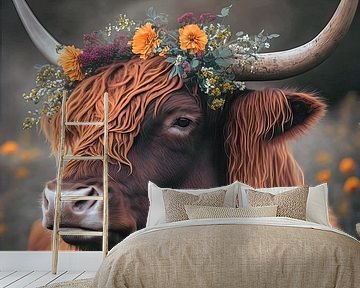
(98, 54)
(206, 18)
(199, 55)
(121, 44)
(186, 67)
(187, 17)
(91, 39)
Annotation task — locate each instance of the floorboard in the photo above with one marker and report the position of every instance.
(4, 274)
(34, 279)
(46, 279)
(13, 277)
(28, 279)
(87, 274)
(68, 276)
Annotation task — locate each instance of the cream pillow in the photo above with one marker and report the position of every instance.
(201, 212)
(175, 201)
(156, 214)
(316, 206)
(291, 203)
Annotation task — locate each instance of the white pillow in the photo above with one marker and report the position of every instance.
(316, 206)
(156, 213)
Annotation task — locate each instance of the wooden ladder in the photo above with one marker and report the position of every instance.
(58, 195)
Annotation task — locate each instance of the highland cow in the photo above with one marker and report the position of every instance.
(163, 131)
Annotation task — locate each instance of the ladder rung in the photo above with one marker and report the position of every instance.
(84, 123)
(72, 157)
(78, 197)
(80, 232)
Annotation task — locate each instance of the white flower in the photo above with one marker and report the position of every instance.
(267, 45)
(240, 85)
(246, 37)
(179, 60)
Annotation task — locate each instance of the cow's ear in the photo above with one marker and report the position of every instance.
(303, 112)
(271, 115)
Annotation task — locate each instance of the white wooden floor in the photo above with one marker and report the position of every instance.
(32, 269)
(32, 279)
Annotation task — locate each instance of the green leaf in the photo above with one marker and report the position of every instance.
(216, 53)
(223, 62)
(225, 11)
(261, 33)
(239, 34)
(173, 72)
(170, 59)
(151, 12)
(225, 52)
(271, 36)
(162, 18)
(195, 63)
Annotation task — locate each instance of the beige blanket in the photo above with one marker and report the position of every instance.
(277, 252)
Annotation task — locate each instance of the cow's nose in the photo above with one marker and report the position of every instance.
(81, 206)
(71, 211)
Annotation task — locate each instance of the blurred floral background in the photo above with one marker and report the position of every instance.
(329, 153)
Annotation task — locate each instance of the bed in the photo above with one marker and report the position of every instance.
(254, 252)
(233, 252)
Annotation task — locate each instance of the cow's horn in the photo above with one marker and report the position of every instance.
(284, 64)
(38, 34)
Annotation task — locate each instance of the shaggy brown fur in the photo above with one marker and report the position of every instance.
(132, 86)
(262, 122)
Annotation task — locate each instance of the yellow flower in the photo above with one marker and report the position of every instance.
(145, 40)
(347, 165)
(217, 103)
(164, 51)
(323, 176)
(351, 184)
(192, 38)
(70, 63)
(9, 147)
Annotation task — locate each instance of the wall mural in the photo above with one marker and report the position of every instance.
(179, 115)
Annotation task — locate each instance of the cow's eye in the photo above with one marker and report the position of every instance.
(182, 122)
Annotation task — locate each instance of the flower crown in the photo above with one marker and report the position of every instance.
(201, 49)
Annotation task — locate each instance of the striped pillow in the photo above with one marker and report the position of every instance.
(201, 212)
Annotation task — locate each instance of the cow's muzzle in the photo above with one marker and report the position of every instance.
(83, 214)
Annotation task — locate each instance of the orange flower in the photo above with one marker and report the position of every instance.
(351, 184)
(9, 147)
(323, 157)
(192, 38)
(2, 228)
(145, 40)
(323, 175)
(21, 173)
(344, 207)
(347, 165)
(29, 155)
(70, 64)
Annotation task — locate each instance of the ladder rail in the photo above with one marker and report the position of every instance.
(105, 178)
(61, 152)
(62, 157)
